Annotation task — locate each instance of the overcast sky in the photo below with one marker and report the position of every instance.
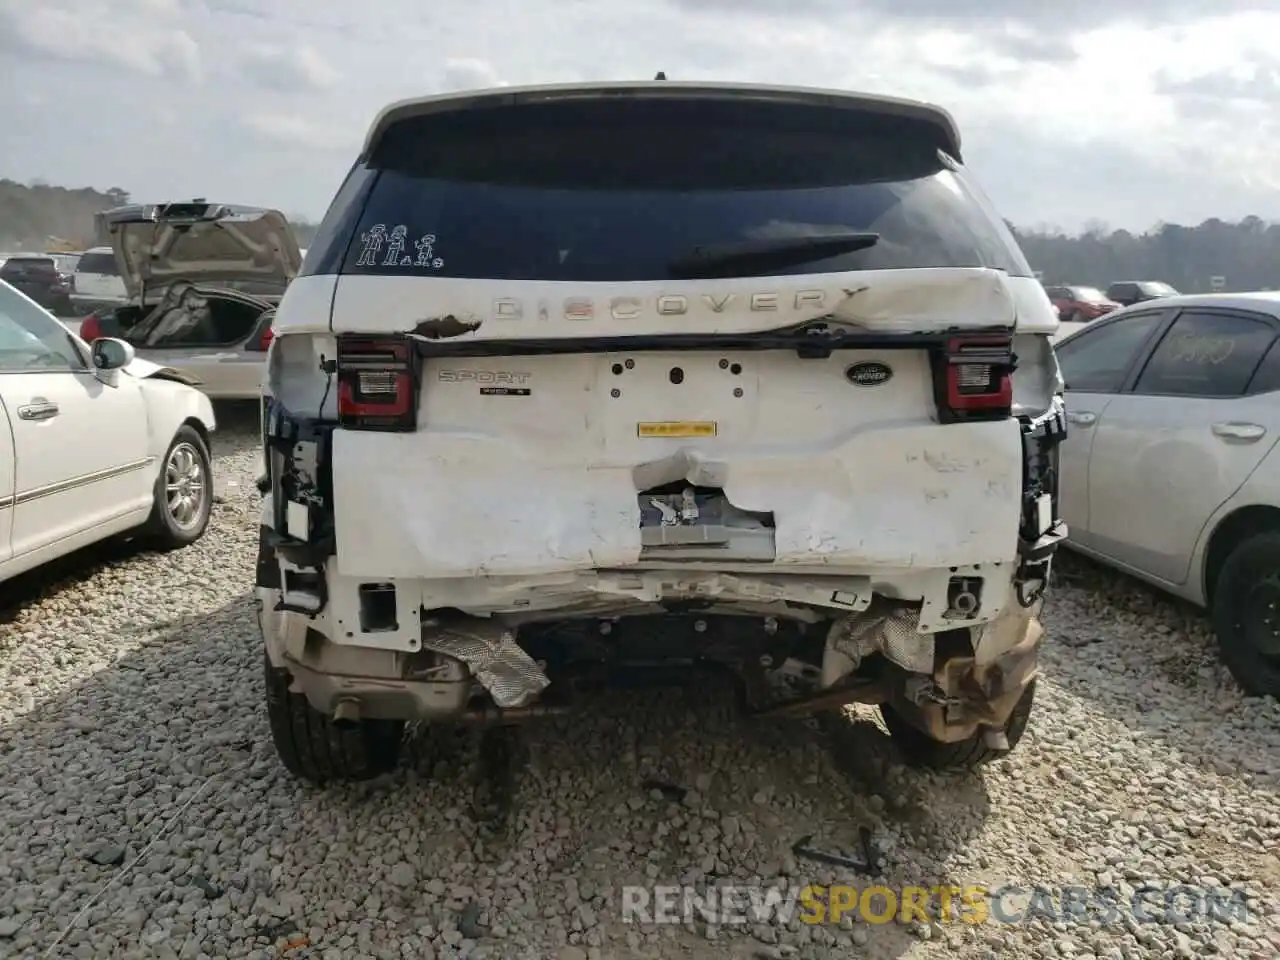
(1127, 112)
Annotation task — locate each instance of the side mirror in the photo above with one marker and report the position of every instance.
(111, 354)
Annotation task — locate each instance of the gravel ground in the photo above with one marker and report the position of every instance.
(137, 780)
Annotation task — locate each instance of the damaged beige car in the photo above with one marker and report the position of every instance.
(538, 419)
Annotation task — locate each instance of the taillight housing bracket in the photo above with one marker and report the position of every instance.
(973, 378)
(378, 383)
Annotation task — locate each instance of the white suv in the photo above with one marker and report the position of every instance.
(97, 281)
(598, 378)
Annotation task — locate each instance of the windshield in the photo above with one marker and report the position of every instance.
(1158, 289)
(1088, 294)
(510, 193)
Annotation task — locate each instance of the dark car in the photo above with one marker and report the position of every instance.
(1128, 292)
(1080, 304)
(38, 277)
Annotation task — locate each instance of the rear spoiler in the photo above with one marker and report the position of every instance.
(939, 119)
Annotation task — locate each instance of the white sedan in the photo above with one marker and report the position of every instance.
(1170, 470)
(93, 442)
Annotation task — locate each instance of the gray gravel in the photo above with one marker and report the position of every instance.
(131, 726)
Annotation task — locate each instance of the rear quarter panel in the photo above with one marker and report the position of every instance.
(1261, 489)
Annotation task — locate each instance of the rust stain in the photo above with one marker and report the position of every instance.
(446, 327)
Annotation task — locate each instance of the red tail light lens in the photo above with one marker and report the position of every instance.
(377, 383)
(979, 377)
(264, 341)
(90, 328)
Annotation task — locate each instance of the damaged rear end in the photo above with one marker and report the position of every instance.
(584, 381)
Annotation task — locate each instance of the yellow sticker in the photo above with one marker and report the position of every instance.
(677, 428)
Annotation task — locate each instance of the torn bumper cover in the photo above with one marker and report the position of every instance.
(490, 650)
(969, 693)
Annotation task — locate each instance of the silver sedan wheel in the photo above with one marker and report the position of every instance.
(184, 486)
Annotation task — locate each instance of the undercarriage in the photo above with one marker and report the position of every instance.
(786, 658)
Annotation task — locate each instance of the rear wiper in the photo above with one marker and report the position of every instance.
(757, 256)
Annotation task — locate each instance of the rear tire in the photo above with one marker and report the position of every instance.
(312, 747)
(183, 496)
(1246, 614)
(921, 750)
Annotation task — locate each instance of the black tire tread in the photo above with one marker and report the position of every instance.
(1257, 674)
(921, 750)
(311, 746)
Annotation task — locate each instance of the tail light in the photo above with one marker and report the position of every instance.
(264, 341)
(377, 383)
(977, 378)
(90, 328)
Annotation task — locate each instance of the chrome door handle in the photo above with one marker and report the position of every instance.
(1082, 419)
(38, 410)
(1248, 432)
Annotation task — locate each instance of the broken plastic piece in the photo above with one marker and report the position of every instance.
(490, 650)
(688, 506)
(669, 516)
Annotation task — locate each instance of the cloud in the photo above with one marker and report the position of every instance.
(1257, 83)
(292, 130)
(1117, 113)
(288, 67)
(1085, 14)
(465, 73)
(102, 33)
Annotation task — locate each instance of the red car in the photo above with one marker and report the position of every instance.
(1080, 304)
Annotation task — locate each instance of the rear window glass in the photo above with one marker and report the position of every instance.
(98, 263)
(618, 190)
(29, 265)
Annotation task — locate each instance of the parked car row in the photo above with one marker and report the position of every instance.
(442, 541)
(102, 428)
(1082, 304)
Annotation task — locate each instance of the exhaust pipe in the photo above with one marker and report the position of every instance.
(346, 714)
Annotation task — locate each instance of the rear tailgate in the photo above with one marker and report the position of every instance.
(524, 465)
(568, 378)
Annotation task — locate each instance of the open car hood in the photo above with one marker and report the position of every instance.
(156, 244)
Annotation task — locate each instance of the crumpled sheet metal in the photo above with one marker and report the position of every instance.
(893, 633)
(502, 667)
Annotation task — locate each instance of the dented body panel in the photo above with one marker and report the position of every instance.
(878, 301)
(507, 504)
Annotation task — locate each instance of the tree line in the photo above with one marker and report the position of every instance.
(1245, 255)
(36, 216)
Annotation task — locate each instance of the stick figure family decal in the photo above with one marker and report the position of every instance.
(373, 240)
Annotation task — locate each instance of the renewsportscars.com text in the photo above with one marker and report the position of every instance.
(971, 904)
